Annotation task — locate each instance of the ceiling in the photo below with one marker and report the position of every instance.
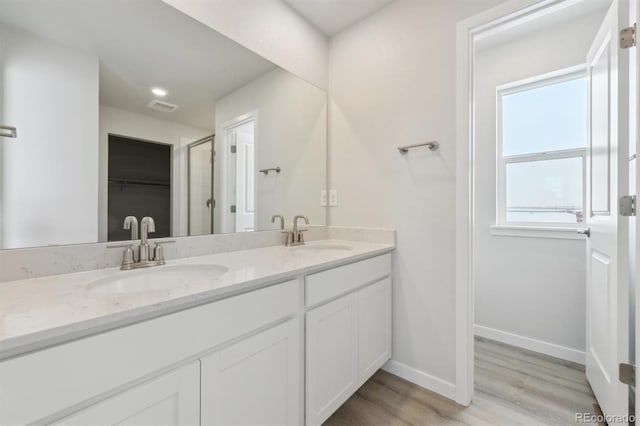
(143, 44)
(333, 16)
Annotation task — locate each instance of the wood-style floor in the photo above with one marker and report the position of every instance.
(513, 387)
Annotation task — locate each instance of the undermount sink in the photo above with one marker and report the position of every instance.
(156, 279)
(323, 248)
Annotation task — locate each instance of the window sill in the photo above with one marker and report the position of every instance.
(563, 233)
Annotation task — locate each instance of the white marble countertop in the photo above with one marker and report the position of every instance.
(41, 312)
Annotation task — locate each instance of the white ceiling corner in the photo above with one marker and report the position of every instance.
(333, 16)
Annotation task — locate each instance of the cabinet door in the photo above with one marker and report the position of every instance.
(256, 381)
(171, 399)
(332, 357)
(374, 328)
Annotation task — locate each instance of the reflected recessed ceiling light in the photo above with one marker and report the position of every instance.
(159, 91)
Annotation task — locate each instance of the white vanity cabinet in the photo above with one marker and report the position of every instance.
(76, 378)
(255, 381)
(284, 354)
(348, 336)
(171, 399)
(332, 357)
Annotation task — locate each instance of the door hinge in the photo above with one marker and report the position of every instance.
(628, 37)
(232, 209)
(233, 149)
(627, 374)
(627, 205)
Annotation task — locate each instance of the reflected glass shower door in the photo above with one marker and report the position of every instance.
(201, 201)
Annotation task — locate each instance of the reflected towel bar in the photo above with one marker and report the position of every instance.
(266, 171)
(433, 146)
(8, 131)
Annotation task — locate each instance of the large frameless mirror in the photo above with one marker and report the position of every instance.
(131, 108)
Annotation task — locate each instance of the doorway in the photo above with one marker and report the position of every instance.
(139, 176)
(529, 276)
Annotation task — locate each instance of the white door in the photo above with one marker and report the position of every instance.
(606, 261)
(374, 328)
(171, 399)
(255, 381)
(332, 357)
(245, 177)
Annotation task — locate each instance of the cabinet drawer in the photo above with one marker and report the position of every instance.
(334, 282)
(41, 384)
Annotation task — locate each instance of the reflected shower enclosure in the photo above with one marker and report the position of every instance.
(200, 186)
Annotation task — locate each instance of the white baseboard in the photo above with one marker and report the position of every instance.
(535, 345)
(421, 378)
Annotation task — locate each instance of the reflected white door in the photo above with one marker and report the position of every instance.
(245, 177)
(606, 249)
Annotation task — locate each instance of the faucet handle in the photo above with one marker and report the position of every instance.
(128, 257)
(158, 252)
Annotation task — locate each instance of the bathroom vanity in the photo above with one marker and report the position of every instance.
(235, 328)
(276, 335)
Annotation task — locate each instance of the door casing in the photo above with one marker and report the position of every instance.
(506, 15)
(227, 218)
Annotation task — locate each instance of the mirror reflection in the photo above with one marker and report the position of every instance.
(131, 108)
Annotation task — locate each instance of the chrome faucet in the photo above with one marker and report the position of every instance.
(276, 216)
(145, 258)
(295, 237)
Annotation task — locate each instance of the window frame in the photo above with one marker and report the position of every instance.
(563, 75)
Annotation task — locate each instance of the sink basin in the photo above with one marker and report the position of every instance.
(161, 278)
(322, 248)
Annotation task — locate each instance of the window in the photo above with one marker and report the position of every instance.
(542, 139)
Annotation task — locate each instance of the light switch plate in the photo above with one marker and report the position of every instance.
(323, 198)
(333, 198)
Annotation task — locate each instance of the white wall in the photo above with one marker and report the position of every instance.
(270, 28)
(291, 133)
(125, 123)
(50, 93)
(532, 288)
(391, 83)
